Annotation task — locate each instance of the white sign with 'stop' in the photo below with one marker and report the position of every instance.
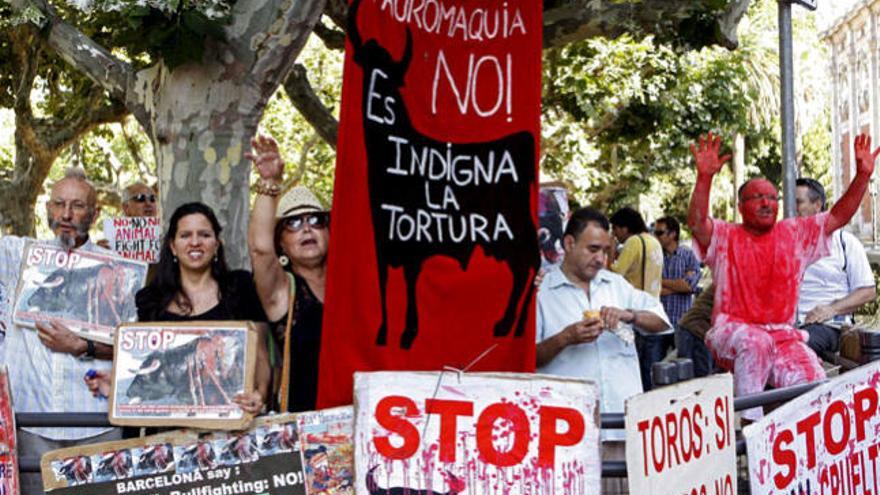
(823, 442)
(680, 439)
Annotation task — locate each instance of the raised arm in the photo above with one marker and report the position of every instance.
(272, 285)
(708, 164)
(848, 204)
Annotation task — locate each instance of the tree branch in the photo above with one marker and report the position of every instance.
(266, 40)
(566, 21)
(306, 101)
(332, 38)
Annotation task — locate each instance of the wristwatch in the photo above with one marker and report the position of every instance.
(90, 351)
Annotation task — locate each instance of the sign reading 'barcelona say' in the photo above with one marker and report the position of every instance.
(436, 183)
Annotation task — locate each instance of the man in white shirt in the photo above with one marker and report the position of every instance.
(834, 286)
(577, 303)
(46, 365)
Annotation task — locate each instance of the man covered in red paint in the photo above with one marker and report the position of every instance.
(757, 267)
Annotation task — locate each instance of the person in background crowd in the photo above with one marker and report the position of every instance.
(139, 200)
(45, 365)
(836, 285)
(641, 264)
(192, 283)
(581, 306)
(694, 325)
(288, 240)
(757, 268)
(681, 273)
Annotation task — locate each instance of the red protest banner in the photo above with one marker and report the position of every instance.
(434, 240)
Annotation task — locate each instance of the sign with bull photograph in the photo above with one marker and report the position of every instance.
(680, 439)
(135, 238)
(91, 293)
(437, 171)
(182, 374)
(475, 433)
(263, 459)
(824, 441)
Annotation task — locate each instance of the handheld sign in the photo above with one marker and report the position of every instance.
(474, 433)
(89, 292)
(327, 451)
(825, 441)
(679, 439)
(263, 459)
(182, 374)
(135, 238)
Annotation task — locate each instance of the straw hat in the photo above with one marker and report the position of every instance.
(297, 200)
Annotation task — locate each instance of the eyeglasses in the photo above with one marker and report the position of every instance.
(143, 198)
(74, 205)
(313, 220)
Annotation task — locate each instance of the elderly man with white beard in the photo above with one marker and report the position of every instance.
(46, 366)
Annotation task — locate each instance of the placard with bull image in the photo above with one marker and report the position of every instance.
(475, 433)
(263, 459)
(90, 293)
(182, 374)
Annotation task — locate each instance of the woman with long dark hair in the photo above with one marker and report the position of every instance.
(288, 238)
(193, 283)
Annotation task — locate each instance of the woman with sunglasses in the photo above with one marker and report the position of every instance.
(193, 283)
(288, 239)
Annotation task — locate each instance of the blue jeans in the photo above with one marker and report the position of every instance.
(694, 348)
(651, 349)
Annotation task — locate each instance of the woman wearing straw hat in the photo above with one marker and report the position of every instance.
(288, 237)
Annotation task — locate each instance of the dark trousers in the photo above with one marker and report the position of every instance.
(694, 348)
(651, 349)
(823, 339)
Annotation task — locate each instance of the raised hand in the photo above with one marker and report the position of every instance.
(266, 158)
(706, 155)
(865, 158)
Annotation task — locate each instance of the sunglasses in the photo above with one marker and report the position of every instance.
(313, 220)
(143, 198)
(658, 232)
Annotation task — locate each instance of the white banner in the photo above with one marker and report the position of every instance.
(475, 433)
(135, 238)
(823, 442)
(680, 439)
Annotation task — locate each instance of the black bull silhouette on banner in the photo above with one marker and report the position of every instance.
(387, 132)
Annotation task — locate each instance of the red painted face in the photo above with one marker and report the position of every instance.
(759, 205)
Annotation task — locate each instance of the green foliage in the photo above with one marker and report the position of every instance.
(174, 31)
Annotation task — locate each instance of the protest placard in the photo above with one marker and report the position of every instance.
(91, 293)
(552, 216)
(823, 442)
(8, 445)
(327, 450)
(436, 178)
(680, 439)
(182, 374)
(263, 459)
(475, 433)
(135, 238)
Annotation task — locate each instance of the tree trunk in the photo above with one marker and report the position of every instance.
(201, 116)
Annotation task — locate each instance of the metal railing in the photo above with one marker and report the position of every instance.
(609, 421)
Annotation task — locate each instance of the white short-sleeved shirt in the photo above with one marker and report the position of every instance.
(608, 361)
(42, 380)
(825, 281)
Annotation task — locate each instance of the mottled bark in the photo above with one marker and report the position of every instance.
(201, 116)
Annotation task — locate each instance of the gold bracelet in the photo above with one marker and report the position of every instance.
(267, 188)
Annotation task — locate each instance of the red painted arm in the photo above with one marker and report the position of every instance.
(708, 164)
(848, 204)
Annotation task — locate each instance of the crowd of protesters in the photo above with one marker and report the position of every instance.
(604, 313)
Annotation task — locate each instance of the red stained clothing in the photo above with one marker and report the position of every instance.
(758, 276)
